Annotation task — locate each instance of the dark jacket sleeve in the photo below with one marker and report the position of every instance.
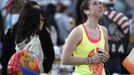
(7, 51)
(48, 50)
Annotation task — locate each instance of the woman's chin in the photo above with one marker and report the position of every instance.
(99, 15)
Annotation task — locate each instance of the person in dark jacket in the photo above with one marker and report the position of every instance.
(9, 42)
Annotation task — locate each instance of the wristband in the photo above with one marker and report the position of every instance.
(88, 60)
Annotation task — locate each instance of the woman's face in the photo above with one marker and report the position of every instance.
(96, 8)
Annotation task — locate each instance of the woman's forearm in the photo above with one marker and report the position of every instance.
(73, 60)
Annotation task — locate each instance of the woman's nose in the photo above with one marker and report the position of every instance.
(100, 6)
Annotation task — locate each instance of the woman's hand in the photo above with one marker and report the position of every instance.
(104, 56)
(98, 58)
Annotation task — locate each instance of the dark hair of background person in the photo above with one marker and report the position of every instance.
(61, 7)
(26, 6)
(50, 10)
(28, 24)
(50, 15)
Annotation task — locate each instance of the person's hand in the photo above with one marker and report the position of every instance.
(104, 56)
(96, 58)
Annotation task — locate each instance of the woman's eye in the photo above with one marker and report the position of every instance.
(95, 3)
(100, 3)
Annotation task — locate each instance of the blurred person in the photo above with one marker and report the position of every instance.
(87, 45)
(32, 26)
(131, 27)
(52, 28)
(118, 31)
(62, 23)
(50, 10)
(64, 28)
(130, 7)
(128, 62)
(9, 40)
(120, 6)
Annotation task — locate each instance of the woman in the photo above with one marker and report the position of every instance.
(9, 39)
(87, 45)
(32, 25)
(9, 42)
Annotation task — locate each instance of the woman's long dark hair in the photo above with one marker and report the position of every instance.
(28, 24)
(84, 6)
(26, 6)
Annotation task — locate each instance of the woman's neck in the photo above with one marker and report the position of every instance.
(92, 22)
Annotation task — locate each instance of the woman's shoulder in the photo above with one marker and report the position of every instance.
(103, 28)
(76, 34)
(77, 30)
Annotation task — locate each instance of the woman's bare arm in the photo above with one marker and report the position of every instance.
(106, 53)
(72, 41)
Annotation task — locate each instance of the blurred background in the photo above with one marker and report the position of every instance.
(64, 15)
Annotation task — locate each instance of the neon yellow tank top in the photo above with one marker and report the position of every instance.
(87, 48)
